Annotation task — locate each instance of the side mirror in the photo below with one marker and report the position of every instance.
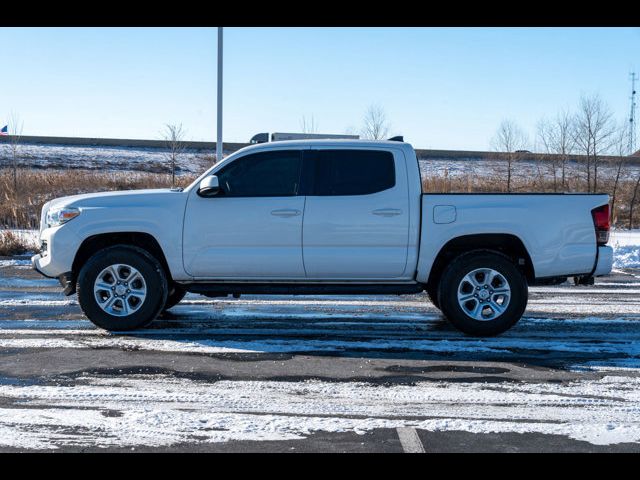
(209, 187)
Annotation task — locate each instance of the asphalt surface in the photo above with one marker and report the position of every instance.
(320, 374)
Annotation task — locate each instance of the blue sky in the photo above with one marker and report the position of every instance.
(440, 87)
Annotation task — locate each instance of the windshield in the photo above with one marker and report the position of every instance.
(208, 171)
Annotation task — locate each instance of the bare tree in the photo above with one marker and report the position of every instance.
(620, 150)
(308, 126)
(543, 143)
(376, 125)
(593, 130)
(173, 135)
(15, 142)
(633, 201)
(508, 140)
(557, 141)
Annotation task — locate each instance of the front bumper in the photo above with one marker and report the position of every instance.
(605, 261)
(36, 260)
(66, 279)
(58, 248)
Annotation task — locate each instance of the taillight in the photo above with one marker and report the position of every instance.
(601, 223)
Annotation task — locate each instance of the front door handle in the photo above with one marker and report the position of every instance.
(387, 212)
(286, 212)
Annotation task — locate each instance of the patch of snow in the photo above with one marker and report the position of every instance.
(584, 305)
(28, 282)
(133, 159)
(584, 337)
(626, 248)
(160, 410)
(29, 235)
(34, 302)
(488, 167)
(589, 290)
(15, 263)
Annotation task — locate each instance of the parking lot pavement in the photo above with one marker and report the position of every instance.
(296, 374)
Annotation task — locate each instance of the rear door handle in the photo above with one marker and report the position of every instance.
(286, 212)
(387, 212)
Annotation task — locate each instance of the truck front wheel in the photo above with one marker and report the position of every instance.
(176, 294)
(483, 293)
(122, 288)
(432, 292)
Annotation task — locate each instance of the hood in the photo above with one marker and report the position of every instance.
(121, 198)
(105, 199)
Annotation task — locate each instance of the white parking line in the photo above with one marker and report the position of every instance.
(409, 440)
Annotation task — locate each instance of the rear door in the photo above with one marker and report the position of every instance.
(356, 221)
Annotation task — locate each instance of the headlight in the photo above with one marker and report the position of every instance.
(59, 216)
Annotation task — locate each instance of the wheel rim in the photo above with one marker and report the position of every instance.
(120, 290)
(484, 294)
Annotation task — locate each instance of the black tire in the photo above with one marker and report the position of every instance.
(432, 292)
(152, 273)
(452, 279)
(176, 294)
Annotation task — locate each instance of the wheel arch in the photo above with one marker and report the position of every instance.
(507, 244)
(95, 243)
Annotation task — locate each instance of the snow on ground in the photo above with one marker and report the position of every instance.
(25, 283)
(626, 248)
(190, 162)
(159, 410)
(25, 234)
(29, 238)
(584, 333)
(474, 167)
(16, 262)
(223, 334)
(107, 158)
(607, 329)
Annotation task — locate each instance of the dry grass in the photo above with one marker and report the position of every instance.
(14, 244)
(540, 184)
(21, 208)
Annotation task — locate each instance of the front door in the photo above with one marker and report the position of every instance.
(253, 228)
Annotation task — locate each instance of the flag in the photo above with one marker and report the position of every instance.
(5, 130)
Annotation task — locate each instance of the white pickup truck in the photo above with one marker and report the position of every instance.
(319, 217)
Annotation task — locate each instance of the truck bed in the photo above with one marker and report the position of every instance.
(557, 230)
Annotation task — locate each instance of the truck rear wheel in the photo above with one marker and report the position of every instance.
(483, 293)
(122, 288)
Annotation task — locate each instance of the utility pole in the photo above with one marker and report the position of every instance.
(632, 116)
(219, 139)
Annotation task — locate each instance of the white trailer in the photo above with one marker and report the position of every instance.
(280, 136)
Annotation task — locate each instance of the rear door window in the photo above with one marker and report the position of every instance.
(350, 172)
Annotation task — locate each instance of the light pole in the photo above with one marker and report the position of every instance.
(219, 139)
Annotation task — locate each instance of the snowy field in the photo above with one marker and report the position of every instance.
(104, 158)
(191, 161)
(522, 169)
(259, 371)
